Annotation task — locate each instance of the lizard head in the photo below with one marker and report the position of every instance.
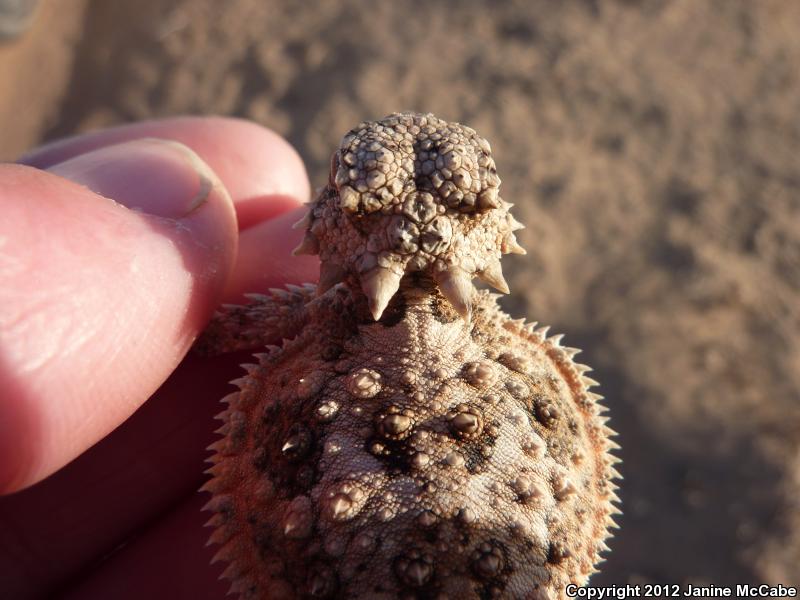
(411, 193)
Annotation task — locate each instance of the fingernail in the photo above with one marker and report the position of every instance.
(155, 176)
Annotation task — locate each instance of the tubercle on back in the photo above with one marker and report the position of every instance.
(411, 193)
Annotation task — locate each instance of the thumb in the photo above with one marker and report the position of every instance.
(110, 264)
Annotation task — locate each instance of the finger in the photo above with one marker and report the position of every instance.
(112, 491)
(169, 560)
(151, 460)
(262, 172)
(138, 470)
(98, 302)
(265, 258)
(154, 458)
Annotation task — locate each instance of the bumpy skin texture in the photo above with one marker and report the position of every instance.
(410, 440)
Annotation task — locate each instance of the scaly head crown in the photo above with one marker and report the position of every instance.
(411, 192)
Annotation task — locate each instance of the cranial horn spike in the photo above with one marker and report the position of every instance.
(488, 198)
(493, 275)
(514, 224)
(511, 246)
(329, 275)
(379, 285)
(456, 285)
(309, 245)
(304, 222)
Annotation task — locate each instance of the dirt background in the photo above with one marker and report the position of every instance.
(650, 146)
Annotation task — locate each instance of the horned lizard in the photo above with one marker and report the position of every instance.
(407, 439)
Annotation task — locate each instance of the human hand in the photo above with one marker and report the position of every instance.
(99, 303)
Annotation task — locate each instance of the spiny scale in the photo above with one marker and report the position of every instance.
(406, 438)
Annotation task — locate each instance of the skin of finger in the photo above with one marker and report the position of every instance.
(125, 479)
(148, 463)
(265, 258)
(168, 560)
(98, 306)
(155, 460)
(262, 172)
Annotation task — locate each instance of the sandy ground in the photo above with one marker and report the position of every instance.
(651, 148)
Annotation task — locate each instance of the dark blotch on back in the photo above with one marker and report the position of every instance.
(396, 455)
(475, 459)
